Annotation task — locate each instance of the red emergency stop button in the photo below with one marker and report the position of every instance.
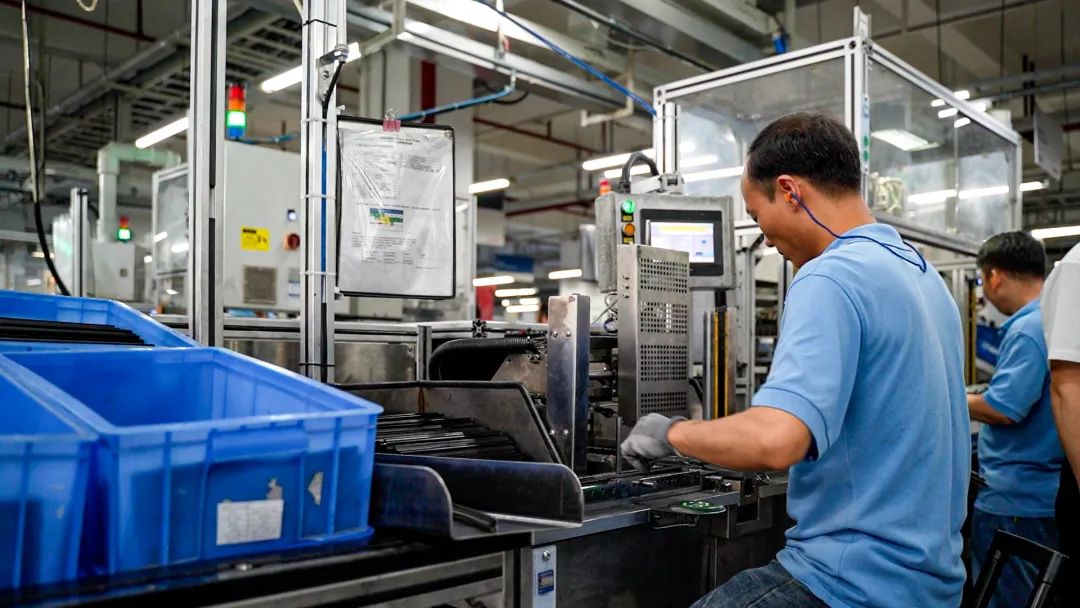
(292, 241)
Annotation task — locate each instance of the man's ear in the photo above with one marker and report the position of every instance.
(788, 187)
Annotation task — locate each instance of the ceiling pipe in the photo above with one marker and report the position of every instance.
(614, 24)
(556, 207)
(534, 135)
(108, 170)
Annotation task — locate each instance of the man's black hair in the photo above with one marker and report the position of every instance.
(1015, 252)
(810, 145)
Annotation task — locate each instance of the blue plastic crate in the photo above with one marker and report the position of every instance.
(207, 454)
(22, 305)
(44, 461)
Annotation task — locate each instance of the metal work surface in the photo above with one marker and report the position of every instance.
(629, 560)
(357, 362)
(389, 571)
(654, 325)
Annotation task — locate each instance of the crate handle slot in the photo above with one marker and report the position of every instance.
(249, 443)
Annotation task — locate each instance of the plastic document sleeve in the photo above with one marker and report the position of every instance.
(397, 210)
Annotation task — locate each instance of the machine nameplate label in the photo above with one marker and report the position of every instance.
(545, 582)
(254, 239)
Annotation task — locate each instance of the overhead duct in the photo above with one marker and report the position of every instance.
(109, 159)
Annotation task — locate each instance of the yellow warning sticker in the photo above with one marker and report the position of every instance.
(254, 239)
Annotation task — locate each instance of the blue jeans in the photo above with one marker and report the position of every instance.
(1018, 578)
(769, 586)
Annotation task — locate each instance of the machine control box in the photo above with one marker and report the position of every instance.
(700, 226)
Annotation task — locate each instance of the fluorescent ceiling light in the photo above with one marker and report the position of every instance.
(171, 292)
(173, 128)
(713, 174)
(1029, 186)
(926, 198)
(147, 259)
(962, 94)
(506, 302)
(981, 192)
(181, 247)
(294, 76)
(698, 161)
(961, 122)
(635, 170)
(904, 140)
(617, 160)
(529, 301)
(161, 236)
(947, 112)
(284, 80)
(981, 105)
(496, 280)
(511, 293)
(571, 273)
(516, 310)
(937, 103)
(470, 12)
(33, 282)
(1055, 232)
(489, 186)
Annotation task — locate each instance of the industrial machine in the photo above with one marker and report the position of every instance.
(700, 226)
(261, 232)
(532, 400)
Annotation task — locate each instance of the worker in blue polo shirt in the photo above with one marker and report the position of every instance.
(1019, 452)
(864, 402)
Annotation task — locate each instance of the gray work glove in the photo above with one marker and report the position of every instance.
(648, 441)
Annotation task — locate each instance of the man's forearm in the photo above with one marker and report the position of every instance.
(756, 439)
(983, 412)
(1065, 398)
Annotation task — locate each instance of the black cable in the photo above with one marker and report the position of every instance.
(466, 350)
(32, 156)
(635, 158)
(695, 383)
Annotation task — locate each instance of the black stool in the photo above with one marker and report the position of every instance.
(1004, 546)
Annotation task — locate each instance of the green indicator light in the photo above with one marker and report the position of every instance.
(123, 234)
(235, 119)
(628, 207)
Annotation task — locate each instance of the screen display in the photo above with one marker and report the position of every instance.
(694, 238)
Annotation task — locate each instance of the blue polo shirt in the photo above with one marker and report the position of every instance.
(870, 359)
(1021, 461)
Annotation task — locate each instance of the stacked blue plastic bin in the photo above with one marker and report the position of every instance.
(43, 470)
(201, 453)
(32, 306)
(206, 454)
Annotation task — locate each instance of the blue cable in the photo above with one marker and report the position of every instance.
(921, 264)
(578, 62)
(460, 105)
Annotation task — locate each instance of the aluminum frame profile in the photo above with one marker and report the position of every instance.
(323, 29)
(206, 161)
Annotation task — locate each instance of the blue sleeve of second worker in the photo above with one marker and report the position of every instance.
(1017, 385)
(817, 353)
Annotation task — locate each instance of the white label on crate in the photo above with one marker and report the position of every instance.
(249, 521)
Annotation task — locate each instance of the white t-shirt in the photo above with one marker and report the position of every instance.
(1061, 309)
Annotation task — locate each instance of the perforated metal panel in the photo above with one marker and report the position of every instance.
(654, 323)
